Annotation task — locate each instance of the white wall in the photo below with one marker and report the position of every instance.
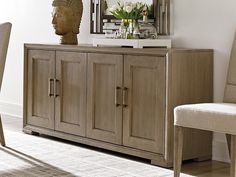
(195, 23)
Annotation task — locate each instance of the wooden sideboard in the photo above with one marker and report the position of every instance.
(120, 99)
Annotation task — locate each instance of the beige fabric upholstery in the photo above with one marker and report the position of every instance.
(5, 30)
(219, 117)
(230, 88)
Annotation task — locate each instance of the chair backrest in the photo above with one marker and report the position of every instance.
(230, 88)
(5, 30)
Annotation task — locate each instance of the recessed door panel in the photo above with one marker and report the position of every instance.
(70, 91)
(40, 75)
(143, 121)
(104, 121)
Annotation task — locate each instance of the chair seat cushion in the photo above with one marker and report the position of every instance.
(219, 117)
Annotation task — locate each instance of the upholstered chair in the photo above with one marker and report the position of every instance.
(5, 30)
(217, 117)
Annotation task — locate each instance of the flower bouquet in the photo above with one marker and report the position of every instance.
(128, 13)
(128, 10)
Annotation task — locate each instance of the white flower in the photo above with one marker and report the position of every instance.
(114, 8)
(128, 9)
(127, 3)
(133, 5)
(121, 3)
(139, 4)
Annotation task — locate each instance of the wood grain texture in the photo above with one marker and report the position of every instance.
(189, 80)
(2, 139)
(157, 81)
(87, 48)
(143, 120)
(233, 156)
(40, 107)
(25, 86)
(104, 118)
(70, 105)
(206, 169)
(228, 139)
(159, 158)
(178, 149)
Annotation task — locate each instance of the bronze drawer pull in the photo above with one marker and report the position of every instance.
(125, 94)
(50, 87)
(55, 88)
(117, 96)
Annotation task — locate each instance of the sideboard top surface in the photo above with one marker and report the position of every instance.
(115, 50)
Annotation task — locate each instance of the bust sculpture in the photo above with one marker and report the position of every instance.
(66, 19)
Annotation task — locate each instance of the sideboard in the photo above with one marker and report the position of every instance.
(120, 99)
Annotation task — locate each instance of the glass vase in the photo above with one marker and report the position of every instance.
(124, 28)
(133, 29)
(129, 29)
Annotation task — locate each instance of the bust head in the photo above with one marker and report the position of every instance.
(66, 19)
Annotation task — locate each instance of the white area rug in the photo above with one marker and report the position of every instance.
(35, 156)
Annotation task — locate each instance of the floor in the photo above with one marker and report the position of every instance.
(35, 156)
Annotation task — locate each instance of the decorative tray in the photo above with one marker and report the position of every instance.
(135, 43)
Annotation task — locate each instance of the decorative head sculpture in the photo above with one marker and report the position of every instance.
(66, 19)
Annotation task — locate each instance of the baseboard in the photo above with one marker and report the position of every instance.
(220, 151)
(11, 109)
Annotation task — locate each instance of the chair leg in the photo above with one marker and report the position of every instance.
(233, 156)
(178, 148)
(2, 140)
(228, 138)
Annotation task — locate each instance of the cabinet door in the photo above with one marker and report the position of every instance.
(104, 117)
(40, 104)
(70, 109)
(143, 122)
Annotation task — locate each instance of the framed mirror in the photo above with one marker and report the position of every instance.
(102, 21)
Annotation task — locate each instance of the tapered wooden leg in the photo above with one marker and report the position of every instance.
(228, 138)
(178, 148)
(2, 140)
(233, 156)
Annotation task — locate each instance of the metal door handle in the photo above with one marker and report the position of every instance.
(125, 95)
(55, 87)
(117, 93)
(50, 81)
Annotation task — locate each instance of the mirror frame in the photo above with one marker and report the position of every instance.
(161, 18)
